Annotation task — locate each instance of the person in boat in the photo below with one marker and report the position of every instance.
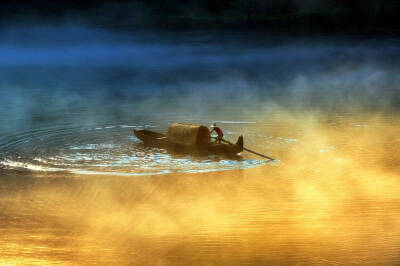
(219, 132)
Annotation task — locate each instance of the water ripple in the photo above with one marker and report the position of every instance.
(102, 150)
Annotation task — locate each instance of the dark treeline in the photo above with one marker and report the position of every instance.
(279, 15)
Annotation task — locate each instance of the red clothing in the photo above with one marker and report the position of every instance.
(219, 131)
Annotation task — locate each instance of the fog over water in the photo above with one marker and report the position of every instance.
(80, 72)
(76, 187)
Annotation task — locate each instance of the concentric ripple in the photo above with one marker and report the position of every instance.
(102, 150)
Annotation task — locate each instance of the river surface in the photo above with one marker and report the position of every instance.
(78, 188)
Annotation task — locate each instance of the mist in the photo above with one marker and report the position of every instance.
(73, 68)
(77, 187)
(336, 180)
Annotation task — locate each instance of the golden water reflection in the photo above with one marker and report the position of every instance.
(333, 198)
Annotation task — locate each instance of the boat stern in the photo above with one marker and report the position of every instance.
(239, 142)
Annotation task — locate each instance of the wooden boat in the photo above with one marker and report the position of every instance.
(188, 138)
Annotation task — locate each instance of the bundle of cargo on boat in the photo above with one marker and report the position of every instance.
(188, 134)
(188, 138)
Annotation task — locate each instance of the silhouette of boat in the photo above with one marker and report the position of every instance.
(188, 138)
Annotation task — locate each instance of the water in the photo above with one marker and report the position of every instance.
(104, 150)
(76, 187)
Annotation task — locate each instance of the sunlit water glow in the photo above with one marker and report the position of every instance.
(333, 179)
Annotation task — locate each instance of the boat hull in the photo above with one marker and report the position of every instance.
(159, 140)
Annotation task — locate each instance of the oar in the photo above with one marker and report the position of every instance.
(259, 154)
